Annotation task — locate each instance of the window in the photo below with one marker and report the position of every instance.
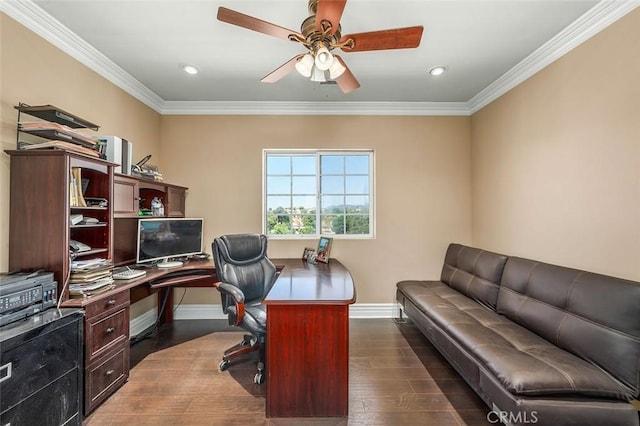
(313, 193)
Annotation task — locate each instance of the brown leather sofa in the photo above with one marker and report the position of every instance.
(539, 343)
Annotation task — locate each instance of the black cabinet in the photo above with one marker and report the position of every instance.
(41, 369)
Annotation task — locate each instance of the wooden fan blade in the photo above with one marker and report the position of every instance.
(282, 70)
(249, 22)
(347, 82)
(399, 38)
(330, 10)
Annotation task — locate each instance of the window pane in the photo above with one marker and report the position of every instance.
(332, 204)
(278, 185)
(327, 225)
(357, 204)
(278, 165)
(357, 164)
(357, 184)
(332, 185)
(278, 202)
(356, 224)
(332, 164)
(304, 165)
(308, 224)
(304, 185)
(306, 202)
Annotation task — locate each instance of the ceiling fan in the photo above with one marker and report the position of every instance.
(320, 33)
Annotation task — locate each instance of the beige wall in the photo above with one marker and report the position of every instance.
(551, 168)
(556, 161)
(422, 176)
(37, 73)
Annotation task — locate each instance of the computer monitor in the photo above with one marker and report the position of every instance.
(163, 240)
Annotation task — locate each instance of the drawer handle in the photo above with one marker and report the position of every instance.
(111, 302)
(110, 330)
(5, 372)
(109, 372)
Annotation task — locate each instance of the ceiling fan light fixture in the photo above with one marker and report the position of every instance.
(324, 58)
(318, 75)
(305, 65)
(336, 69)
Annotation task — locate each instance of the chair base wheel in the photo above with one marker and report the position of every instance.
(224, 364)
(258, 379)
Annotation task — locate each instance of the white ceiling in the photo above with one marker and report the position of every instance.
(480, 41)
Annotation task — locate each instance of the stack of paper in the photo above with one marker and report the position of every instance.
(90, 277)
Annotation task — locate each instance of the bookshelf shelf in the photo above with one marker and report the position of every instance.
(58, 128)
(56, 115)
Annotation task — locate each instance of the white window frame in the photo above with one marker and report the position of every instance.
(318, 153)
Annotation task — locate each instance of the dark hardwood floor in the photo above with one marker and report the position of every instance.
(396, 378)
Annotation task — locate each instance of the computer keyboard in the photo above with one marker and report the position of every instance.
(128, 273)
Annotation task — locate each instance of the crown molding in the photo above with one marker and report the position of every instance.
(592, 22)
(315, 108)
(40, 22)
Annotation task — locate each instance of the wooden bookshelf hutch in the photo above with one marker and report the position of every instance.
(41, 197)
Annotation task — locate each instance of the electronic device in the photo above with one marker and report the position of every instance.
(118, 151)
(25, 294)
(163, 239)
(77, 246)
(200, 256)
(127, 273)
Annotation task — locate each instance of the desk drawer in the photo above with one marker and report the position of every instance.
(105, 332)
(104, 305)
(104, 376)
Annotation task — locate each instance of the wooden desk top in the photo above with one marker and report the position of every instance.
(152, 274)
(300, 282)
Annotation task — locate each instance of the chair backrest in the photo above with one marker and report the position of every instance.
(241, 260)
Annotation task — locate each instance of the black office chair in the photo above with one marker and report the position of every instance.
(245, 276)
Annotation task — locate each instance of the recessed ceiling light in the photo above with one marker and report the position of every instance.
(436, 71)
(189, 69)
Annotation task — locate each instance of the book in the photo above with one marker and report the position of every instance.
(77, 185)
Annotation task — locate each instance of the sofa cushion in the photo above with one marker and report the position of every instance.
(522, 361)
(595, 317)
(473, 272)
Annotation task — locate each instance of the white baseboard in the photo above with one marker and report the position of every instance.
(358, 310)
(140, 323)
(194, 312)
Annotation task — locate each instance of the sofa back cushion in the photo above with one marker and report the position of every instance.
(473, 272)
(595, 317)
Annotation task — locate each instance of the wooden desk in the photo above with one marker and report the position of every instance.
(106, 325)
(308, 340)
(307, 334)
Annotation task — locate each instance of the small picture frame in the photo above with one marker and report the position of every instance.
(324, 249)
(307, 252)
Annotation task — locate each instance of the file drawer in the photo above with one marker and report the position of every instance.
(41, 369)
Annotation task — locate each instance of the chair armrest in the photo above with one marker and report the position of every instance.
(238, 299)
